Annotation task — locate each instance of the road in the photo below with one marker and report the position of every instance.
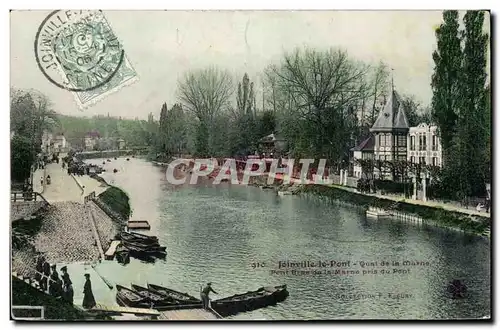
(62, 187)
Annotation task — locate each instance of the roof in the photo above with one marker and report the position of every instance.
(392, 117)
(366, 145)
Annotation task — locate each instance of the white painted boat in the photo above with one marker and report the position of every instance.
(376, 213)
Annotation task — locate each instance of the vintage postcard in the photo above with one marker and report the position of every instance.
(250, 165)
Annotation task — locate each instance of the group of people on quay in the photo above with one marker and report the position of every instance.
(48, 278)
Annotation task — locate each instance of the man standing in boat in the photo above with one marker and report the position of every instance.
(204, 294)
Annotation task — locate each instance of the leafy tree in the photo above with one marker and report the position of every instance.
(446, 79)
(205, 93)
(472, 125)
(22, 156)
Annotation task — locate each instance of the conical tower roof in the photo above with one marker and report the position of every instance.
(393, 117)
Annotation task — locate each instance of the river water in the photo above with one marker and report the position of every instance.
(220, 234)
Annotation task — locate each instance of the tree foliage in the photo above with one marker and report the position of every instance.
(460, 103)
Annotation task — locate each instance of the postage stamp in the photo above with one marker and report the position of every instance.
(78, 51)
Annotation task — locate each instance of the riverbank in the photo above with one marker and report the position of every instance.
(432, 215)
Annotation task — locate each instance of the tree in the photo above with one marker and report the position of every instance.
(245, 99)
(446, 79)
(163, 127)
(22, 156)
(472, 125)
(380, 84)
(205, 93)
(324, 90)
(415, 112)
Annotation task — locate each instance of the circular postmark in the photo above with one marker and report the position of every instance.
(76, 50)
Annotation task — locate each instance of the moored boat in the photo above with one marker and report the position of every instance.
(154, 297)
(130, 298)
(122, 255)
(136, 237)
(251, 300)
(182, 298)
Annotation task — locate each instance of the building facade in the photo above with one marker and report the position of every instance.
(59, 143)
(392, 139)
(91, 139)
(424, 146)
(390, 132)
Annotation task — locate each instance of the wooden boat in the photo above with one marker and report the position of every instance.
(130, 298)
(130, 236)
(122, 255)
(115, 170)
(108, 160)
(140, 252)
(128, 159)
(251, 300)
(141, 247)
(182, 298)
(154, 297)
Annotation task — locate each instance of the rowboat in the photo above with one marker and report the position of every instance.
(154, 297)
(142, 246)
(251, 300)
(130, 236)
(122, 255)
(130, 298)
(182, 298)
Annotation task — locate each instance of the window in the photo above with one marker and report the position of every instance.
(412, 142)
(421, 160)
(379, 137)
(424, 145)
(402, 140)
(434, 143)
(401, 157)
(419, 142)
(412, 159)
(434, 161)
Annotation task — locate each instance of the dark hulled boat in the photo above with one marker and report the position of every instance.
(262, 297)
(130, 298)
(130, 236)
(153, 297)
(182, 298)
(122, 255)
(138, 246)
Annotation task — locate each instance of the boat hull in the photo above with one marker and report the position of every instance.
(181, 298)
(249, 301)
(153, 297)
(130, 298)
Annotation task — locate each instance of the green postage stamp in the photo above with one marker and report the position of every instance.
(78, 51)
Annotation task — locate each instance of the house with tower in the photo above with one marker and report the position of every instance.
(393, 139)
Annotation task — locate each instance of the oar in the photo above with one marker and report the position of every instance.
(110, 286)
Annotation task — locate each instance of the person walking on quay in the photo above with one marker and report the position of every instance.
(204, 294)
(55, 283)
(46, 274)
(88, 296)
(41, 180)
(67, 292)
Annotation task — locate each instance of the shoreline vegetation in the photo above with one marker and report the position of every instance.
(430, 215)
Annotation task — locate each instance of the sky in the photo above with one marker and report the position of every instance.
(162, 45)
